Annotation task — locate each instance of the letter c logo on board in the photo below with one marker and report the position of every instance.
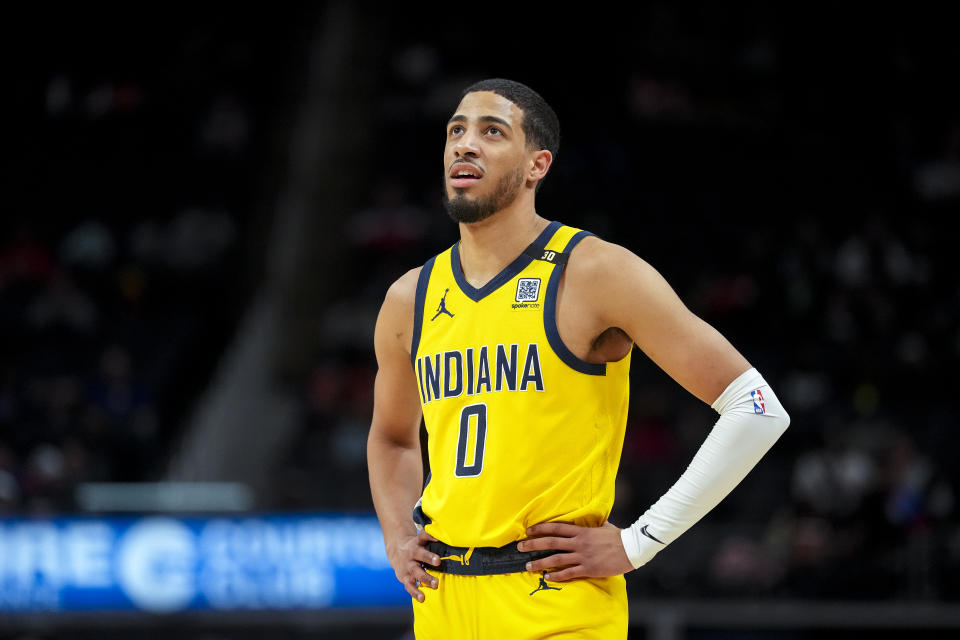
(157, 565)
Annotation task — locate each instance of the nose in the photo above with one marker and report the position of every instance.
(467, 145)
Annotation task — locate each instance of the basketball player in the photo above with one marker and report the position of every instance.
(514, 345)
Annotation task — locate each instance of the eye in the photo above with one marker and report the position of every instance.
(495, 131)
(456, 130)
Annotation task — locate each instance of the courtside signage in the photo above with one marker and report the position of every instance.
(167, 565)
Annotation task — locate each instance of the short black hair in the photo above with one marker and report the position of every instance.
(540, 123)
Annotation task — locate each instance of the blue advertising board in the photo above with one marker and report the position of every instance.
(162, 564)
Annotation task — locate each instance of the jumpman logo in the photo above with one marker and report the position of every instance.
(544, 586)
(462, 559)
(443, 307)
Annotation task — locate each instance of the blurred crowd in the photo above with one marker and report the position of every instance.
(790, 200)
(124, 258)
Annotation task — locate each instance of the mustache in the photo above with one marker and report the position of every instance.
(461, 161)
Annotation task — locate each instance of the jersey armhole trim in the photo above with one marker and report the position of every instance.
(550, 319)
(422, 281)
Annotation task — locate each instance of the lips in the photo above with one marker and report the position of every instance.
(463, 174)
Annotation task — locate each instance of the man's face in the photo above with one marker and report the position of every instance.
(485, 158)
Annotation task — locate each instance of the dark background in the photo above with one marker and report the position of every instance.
(792, 172)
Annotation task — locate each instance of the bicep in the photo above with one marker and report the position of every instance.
(396, 406)
(687, 348)
(396, 400)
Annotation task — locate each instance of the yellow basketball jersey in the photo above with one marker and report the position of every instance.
(520, 430)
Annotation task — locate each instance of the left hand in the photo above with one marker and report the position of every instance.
(591, 552)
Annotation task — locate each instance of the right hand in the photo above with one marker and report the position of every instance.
(405, 558)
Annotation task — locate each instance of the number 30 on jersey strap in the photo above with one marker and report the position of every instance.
(476, 466)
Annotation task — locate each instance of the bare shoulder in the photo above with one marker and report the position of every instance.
(601, 267)
(623, 289)
(403, 292)
(394, 330)
(619, 289)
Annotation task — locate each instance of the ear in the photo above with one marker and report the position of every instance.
(540, 162)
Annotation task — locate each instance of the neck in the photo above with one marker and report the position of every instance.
(486, 247)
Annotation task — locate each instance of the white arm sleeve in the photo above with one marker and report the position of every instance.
(751, 420)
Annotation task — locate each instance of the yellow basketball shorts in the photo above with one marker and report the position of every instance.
(520, 606)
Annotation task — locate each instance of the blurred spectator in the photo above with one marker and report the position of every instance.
(832, 482)
(61, 305)
(90, 246)
(25, 259)
(226, 127)
(938, 180)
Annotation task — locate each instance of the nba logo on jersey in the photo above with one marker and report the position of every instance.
(758, 406)
(528, 289)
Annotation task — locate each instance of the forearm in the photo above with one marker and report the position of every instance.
(739, 439)
(396, 482)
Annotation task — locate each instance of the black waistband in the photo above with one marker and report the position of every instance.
(483, 561)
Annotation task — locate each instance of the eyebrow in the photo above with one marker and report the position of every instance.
(462, 118)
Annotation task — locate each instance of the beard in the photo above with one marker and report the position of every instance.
(463, 210)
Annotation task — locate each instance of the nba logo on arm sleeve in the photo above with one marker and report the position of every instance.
(758, 405)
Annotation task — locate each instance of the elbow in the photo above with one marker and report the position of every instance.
(771, 406)
(784, 422)
(781, 421)
(393, 437)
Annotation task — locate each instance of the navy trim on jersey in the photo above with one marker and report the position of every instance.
(512, 269)
(550, 319)
(540, 253)
(418, 303)
(419, 515)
